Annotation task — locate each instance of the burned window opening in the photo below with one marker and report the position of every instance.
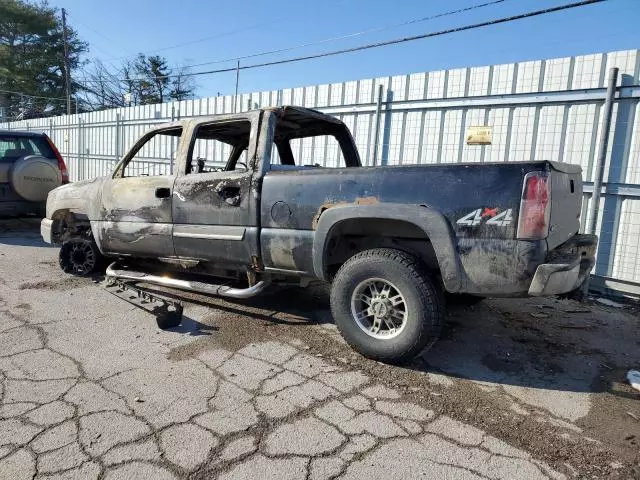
(296, 133)
(153, 155)
(219, 147)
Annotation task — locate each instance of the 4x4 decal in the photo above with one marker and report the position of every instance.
(491, 216)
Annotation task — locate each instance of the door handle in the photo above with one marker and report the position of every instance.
(230, 194)
(163, 192)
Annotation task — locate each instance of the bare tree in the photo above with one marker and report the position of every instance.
(183, 85)
(101, 88)
(140, 81)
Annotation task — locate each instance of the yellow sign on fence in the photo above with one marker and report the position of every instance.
(479, 135)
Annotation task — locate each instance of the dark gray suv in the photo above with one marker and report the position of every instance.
(30, 167)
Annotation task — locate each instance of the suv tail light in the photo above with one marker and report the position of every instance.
(533, 221)
(61, 165)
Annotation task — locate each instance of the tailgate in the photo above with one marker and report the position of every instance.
(566, 202)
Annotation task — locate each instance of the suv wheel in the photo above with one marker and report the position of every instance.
(80, 257)
(385, 305)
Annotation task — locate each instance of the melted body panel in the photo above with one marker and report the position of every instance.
(223, 199)
(145, 230)
(491, 258)
(454, 190)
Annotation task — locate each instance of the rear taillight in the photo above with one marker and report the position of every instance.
(61, 165)
(533, 221)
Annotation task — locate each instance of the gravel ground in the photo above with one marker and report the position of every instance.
(266, 388)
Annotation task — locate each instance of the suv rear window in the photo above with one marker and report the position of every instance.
(13, 147)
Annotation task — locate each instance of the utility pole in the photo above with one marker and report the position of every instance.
(67, 73)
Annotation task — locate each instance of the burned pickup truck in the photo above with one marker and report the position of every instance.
(243, 198)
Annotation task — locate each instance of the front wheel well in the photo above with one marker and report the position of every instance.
(349, 237)
(68, 224)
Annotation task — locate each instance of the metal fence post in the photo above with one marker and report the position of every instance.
(602, 150)
(235, 96)
(376, 131)
(601, 162)
(80, 169)
(117, 145)
(172, 139)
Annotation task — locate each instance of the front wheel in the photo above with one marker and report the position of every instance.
(385, 305)
(80, 257)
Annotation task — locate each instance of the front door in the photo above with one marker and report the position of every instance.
(214, 207)
(137, 200)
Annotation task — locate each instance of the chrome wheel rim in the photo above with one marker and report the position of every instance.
(379, 308)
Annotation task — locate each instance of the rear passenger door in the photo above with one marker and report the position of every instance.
(215, 210)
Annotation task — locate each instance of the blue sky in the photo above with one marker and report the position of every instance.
(122, 28)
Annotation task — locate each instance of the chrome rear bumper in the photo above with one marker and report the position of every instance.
(572, 263)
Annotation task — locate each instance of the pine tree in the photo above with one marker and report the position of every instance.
(32, 58)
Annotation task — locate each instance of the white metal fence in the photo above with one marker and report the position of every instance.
(545, 109)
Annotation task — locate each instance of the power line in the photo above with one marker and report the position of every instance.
(319, 42)
(200, 40)
(111, 42)
(94, 45)
(84, 86)
(350, 35)
(390, 42)
(332, 39)
(56, 99)
(63, 99)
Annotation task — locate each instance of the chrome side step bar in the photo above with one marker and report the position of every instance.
(193, 286)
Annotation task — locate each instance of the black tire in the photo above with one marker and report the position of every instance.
(80, 257)
(423, 303)
(170, 318)
(462, 299)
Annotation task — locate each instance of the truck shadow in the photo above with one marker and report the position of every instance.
(538, 343)
(193, 328)
(278, 306)
(545, 344)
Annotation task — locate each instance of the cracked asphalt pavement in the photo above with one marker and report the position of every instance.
(266, 389)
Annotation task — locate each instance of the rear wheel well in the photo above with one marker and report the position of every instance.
(352, 236)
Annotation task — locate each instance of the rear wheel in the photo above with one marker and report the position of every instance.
(386, 306)
(80, 257)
